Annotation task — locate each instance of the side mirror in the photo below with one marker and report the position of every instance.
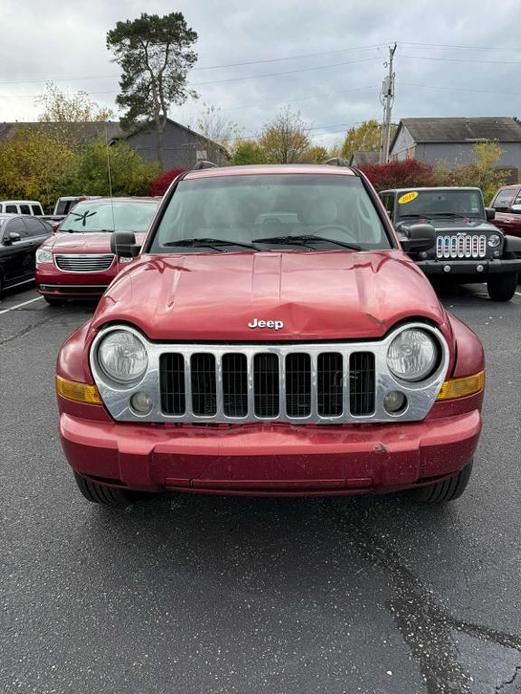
(123, 244)
(12, 237)
(418, 237)
(491, 213)
(516, 209)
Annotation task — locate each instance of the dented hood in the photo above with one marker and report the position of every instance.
(316, 295)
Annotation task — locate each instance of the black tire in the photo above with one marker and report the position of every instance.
(1, 285)
(100, 494)
(446, 490)
(53, 301)
(502, 287)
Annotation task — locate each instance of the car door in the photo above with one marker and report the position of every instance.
(36, 233)
(15, 252)
(507, 220)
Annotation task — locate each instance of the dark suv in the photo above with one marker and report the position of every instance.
(20, 236)
(467, 247)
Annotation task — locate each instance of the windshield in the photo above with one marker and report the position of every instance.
(247, 209)
(426, 203)
(120, 215)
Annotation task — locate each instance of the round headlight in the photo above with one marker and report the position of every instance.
(122, 356)
(494, 240)
(412, 355)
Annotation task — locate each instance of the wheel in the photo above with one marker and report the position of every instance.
(502, 287)
(100, 494)
(446, 490)
(54, 301)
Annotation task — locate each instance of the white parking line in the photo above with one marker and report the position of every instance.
(13, 308)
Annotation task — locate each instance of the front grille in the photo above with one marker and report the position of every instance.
(84, 263)
(461, 246)
(268, 385)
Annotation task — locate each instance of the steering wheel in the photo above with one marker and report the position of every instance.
(351, 237)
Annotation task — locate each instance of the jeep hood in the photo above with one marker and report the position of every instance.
(318, 296)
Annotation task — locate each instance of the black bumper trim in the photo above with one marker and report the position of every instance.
(468, 267)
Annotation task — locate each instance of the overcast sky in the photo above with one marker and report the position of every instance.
(453, 58)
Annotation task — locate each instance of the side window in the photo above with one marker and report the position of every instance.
(504, 199)
(517, 200)
(34, 227)
(18, 226)
(25, 209)
(11, 209)
(37, 210)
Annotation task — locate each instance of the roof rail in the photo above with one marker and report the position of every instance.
(203, 164)
(337, 161)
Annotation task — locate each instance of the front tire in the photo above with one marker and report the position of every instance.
(101, 494)
(445, 490)
(53, 301)
(502, 287)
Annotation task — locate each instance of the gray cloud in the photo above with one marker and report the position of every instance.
(66, 42)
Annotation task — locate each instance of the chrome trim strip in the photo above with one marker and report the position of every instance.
(87, 262)
(420, 395)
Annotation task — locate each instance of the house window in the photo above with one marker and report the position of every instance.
(411, 152)
(201, 154)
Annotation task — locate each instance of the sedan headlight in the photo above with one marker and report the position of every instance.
(122, 357)
(412, 355)
(494, 240)
(43, 256)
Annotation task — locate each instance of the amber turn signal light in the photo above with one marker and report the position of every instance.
(79, 392)
(461, 387)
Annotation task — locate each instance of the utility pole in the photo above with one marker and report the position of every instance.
(386, 99)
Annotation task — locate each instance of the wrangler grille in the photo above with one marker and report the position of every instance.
(267, 385)
(461, 246)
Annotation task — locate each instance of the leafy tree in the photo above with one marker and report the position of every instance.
(364, 138)
(129, 173)
(482, 173)
(316, 155)
(59, 107)
(400, 174)
(285, 139)
(155, 54)
(36, 165)
(215, 126)
(248, 152)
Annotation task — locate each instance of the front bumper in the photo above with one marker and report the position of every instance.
(50, 281)
(468, 267)
(276, 459)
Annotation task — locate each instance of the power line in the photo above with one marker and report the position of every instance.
(461, 60)
(448, 45)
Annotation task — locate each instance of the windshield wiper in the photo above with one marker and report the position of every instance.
(449, 214)
(209, 243)
(305, 240)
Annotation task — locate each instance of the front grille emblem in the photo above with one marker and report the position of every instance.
(273, 324)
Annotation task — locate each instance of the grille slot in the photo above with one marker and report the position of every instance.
(235, 385)
(88, 263)
(461, 246)
(266, 385)
(330, 384)
(362, 383)
(298, 385)
(204, 391)
(172, 380)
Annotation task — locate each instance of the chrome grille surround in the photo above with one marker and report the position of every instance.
(83, 262)
(420, 395)
(461, 246)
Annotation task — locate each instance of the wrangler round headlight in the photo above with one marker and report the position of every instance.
(122, 357)
(494, 240)
(43, 256)
(412, 355)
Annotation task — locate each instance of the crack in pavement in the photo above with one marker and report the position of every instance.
(424, 624)
(26, 330)
(510, 681)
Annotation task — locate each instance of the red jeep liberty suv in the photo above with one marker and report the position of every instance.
(271, 338)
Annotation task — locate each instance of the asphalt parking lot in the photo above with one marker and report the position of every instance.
(197, 594)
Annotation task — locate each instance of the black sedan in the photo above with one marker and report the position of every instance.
(20, 236)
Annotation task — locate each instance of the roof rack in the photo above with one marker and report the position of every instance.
(203, 164)
(337, 161)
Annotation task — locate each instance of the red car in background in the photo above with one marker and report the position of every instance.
(77, 261)
(507, 203)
